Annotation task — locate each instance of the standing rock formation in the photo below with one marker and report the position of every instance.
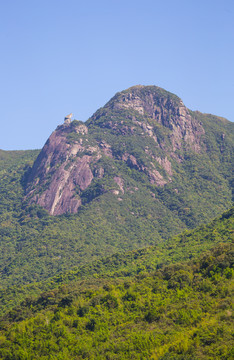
(67, 119)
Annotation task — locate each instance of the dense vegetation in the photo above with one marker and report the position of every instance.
(35, 246)
(13, 165)
(115, 280)
(186, 246)
(181, 311)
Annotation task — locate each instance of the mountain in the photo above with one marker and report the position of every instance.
(90, 266)
(140, 170)
(172, 311)
(143, 142)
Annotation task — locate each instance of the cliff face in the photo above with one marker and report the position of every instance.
(144, 130)
(62, 169)
(164, 109)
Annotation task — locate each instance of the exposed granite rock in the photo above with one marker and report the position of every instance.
(120, 182)
(165, 110)
(81, 129)
(166, 164)
(59, 174)
(99, 172)
(69, 161)
(156, 178)
(106, 148)
(115, 192)
(133, 162)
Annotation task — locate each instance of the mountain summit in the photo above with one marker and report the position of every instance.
(143, 144)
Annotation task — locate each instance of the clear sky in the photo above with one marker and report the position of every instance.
(62, 56)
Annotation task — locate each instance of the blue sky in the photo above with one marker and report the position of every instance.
(62, 56)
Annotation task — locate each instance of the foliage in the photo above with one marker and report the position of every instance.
(104, 238)
(124, 265)
(144, 317)
(81, 293)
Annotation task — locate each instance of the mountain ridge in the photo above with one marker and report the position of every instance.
(145, 128)
(124, 207)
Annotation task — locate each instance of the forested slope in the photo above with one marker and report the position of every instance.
(188, 245)
(182, 311)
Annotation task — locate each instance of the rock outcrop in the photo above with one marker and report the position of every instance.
(61, 171)
(165, 109)
(145, 127)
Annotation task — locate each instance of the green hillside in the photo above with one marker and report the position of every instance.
(71, 289)
(154, 173)
(188, 245)
(181, 311)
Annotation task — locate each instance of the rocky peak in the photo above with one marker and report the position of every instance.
(146, 100)
(144, 128)
(154, 106)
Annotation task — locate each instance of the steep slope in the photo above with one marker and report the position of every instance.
(55, 174)
(143, 137)
(130, 179)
